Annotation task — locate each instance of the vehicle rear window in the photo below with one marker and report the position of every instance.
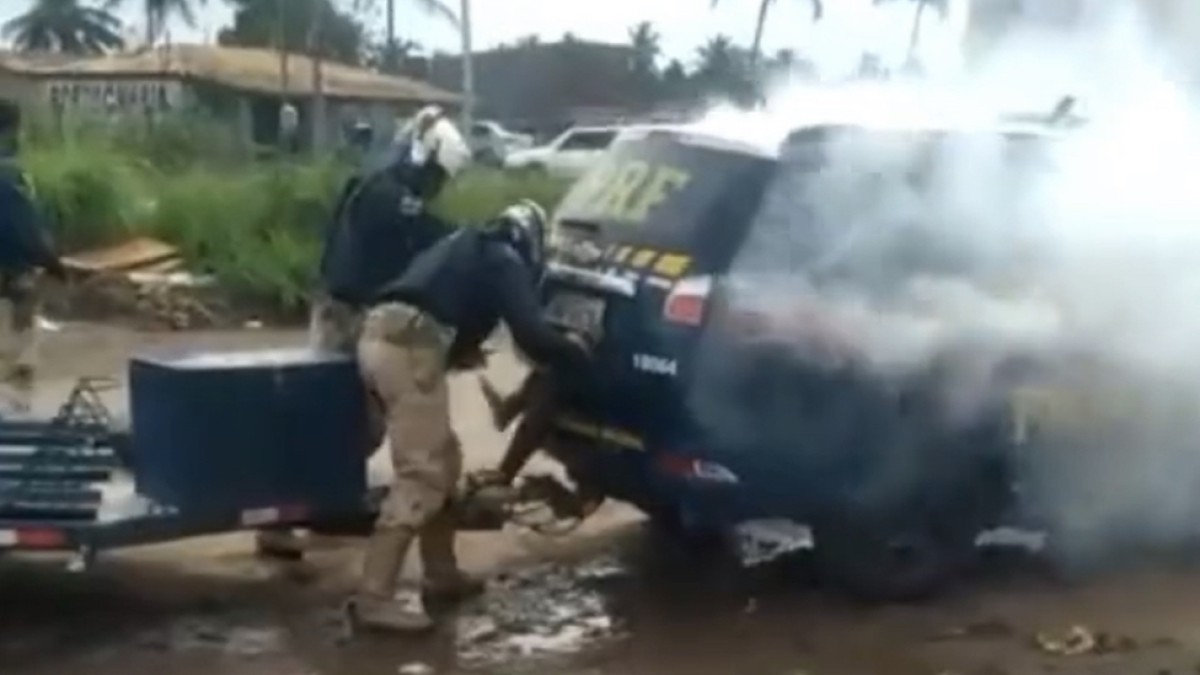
(869, 207)
(588, 140)
(667, 193)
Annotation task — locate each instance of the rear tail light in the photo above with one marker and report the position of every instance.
(689, 468)
(687, 300)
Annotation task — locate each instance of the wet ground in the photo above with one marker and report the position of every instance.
(609, 600)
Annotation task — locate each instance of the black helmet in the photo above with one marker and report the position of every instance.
(523, 226)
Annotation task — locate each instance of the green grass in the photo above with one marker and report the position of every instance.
(255, 225)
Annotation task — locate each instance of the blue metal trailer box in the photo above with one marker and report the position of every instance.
(250, 429)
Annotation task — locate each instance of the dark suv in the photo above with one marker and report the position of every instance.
(727, 388)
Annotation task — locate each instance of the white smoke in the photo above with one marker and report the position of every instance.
(1085, 250)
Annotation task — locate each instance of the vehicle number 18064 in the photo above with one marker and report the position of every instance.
(655, 365)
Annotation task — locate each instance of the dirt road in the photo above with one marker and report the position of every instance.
(608, 601)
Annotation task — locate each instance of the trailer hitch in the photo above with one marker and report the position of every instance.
(539, 502)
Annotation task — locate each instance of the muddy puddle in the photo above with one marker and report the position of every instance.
(542, 616)
(635, 609)
(543, 613)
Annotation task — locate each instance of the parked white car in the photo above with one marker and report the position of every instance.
(491, 142)
(567, 156)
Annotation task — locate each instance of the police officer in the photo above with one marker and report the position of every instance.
(380, 223)
(433, 319)
(25, 249)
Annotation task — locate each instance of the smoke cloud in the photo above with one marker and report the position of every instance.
(888, 256)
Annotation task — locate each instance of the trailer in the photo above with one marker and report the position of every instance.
(217, 442)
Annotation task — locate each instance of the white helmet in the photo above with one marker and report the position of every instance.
(432, 135)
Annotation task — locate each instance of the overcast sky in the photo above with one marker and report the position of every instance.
(684, 24)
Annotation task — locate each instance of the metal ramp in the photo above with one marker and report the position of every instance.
(50, 470)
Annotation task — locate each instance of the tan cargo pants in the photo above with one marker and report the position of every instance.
(334, 326)
(18, 340)
(402, 356)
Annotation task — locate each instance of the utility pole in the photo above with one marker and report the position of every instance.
(281, 37)
(288, 117)
(468, 69)
(390, 63)
(318, 81)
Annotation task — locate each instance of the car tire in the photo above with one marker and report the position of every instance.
(916, 549)
(891, 562)
(667, 526)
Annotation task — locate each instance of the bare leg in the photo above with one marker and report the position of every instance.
(505, 409)
(540, 408)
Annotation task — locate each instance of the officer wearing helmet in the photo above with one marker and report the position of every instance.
(25, 252)
(433, 319)
(381, 222)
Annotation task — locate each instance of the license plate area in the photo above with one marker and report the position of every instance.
(577, 312)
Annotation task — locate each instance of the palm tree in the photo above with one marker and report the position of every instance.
(914, 36)
(435, 8)
(720, 66)
(645, 43)
(158, 12)
(764, 7)
(64, 26)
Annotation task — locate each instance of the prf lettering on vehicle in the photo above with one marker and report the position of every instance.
(625, 191)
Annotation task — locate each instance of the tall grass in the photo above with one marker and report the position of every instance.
(254, 225)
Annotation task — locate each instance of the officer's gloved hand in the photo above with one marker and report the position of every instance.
(584, 342)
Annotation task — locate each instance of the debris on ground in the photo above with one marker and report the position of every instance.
(1076, 641)
(142, 277)
(1079, 640)
(47, 325)
(983, 629)
(544, 611)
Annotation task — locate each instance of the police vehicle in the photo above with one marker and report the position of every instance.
(722, 392)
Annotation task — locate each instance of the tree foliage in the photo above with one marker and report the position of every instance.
(315, 27)
(65, 26)
(551, 75)
(760, 25)
(156, 13)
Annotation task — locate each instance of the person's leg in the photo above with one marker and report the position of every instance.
(444, 580)
(505, 409)
(539, 404)
(23, 376)
(402, 362)
(334, 327)
(18, 366)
